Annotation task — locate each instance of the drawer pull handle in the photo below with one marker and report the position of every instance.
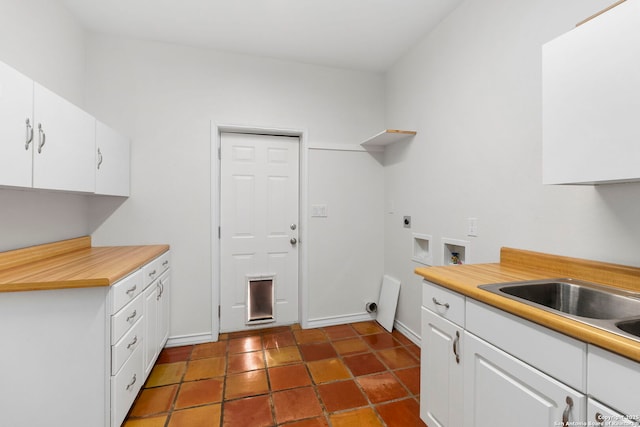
(43, 138)
(436, 302)
(153, 273)
(132, 343)
(164, 264)
(133, 381)
(455, 347)
(99, 158)
(132, 315)
(29, 136)
(567, 410)
(132, 289)
(160, 286)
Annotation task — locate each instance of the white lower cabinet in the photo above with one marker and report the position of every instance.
(150, 352)
(441, 380)
(500, 390)
(156, 309)
(483, 367)
(140, 329)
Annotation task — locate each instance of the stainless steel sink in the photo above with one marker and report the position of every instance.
(630, 326)
(607, 308)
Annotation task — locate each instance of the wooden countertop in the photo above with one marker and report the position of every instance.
(71, 263)
(518, 265)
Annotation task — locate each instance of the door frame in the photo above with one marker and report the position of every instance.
(216, 131)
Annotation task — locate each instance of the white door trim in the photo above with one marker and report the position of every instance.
(216, 130)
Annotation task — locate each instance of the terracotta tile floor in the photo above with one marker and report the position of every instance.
(352, 375)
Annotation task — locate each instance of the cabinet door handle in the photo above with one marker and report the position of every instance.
(436, 302)
(29, 136)
(567, 410)
(456, 341)
(43, 138)
(99, 158)
(133, 381)
(131, 289)
(133, 342)
(160, 286)
(132, 315)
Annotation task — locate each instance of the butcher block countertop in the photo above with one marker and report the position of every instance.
(71, 263)
(519, 265)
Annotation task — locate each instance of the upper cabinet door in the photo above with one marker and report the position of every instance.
(112, 162)
(16, 127)
(591, 100)
(64, 156)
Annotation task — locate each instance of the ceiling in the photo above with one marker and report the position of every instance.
(355, 34)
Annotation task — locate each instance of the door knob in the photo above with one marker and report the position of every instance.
(293, 241)
(293, 226)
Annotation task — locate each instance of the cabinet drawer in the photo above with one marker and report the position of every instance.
(155, 268)
(444, 302)
(125, 387)
(551, 352)
(121, 350)
(601, 415)
(125, 290)
(613, 380)
(123, 320)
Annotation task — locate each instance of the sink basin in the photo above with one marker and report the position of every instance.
(607, 308)
(578, 299)
(630, 326)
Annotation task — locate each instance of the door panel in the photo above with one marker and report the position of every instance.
(65, 154)
(503, 391)
(16, 142)
(259, 199)
(442, 375)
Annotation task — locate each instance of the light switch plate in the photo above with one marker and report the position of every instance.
(319, 211)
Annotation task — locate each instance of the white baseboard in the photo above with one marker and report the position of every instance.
(191, 339)
(362, 317)
(338, 320)
(321, 322)
(414, 337)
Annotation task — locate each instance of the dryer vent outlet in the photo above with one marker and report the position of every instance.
(371, 307)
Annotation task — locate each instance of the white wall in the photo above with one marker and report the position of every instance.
(472, 90)
(40, 39)
(345, 248)
(165, 97)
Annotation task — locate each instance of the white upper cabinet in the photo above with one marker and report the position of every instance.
(591, 92)
(112, 162)
(64, 156)
(16, 127)
(48, 143)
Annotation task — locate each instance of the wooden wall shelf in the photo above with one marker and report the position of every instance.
(386, 137)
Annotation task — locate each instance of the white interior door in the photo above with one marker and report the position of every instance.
(259, 212)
